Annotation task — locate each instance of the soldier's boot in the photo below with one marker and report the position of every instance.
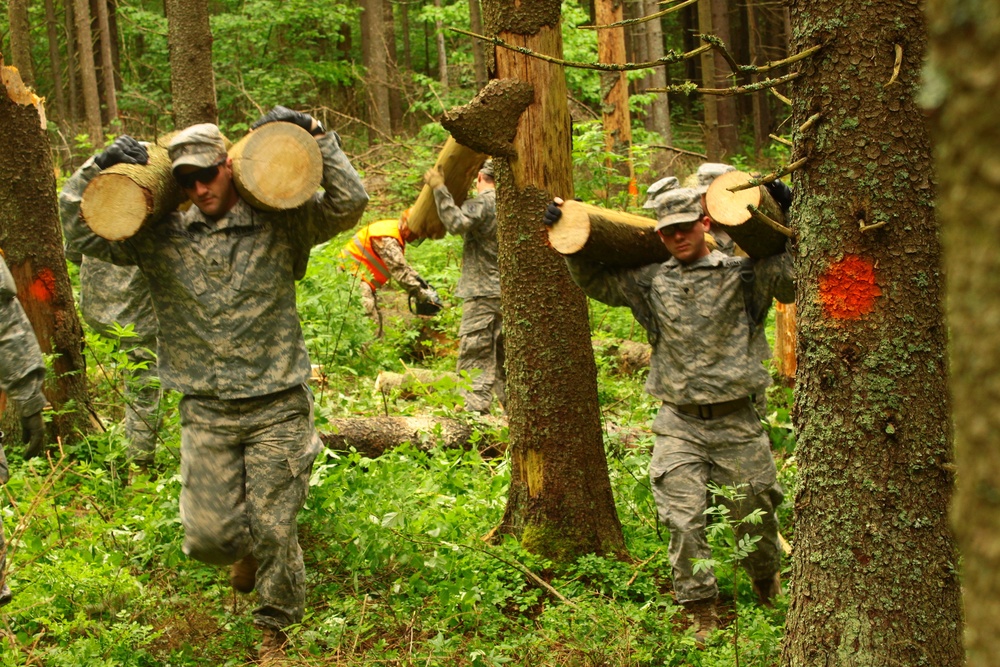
(704, 618)
(272, 649)
(766, 589)
(243, 574)
(5, 595)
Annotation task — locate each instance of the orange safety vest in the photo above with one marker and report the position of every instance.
(360, 253)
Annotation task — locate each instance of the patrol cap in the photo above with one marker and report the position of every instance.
(658, 188)
(709, 171)
(678, 206)
(199, 146)
(487, 168)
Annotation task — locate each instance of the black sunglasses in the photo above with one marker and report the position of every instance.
(670, 230)
(203, 176)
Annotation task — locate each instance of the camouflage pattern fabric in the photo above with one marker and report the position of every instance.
(370, 301)
(476, 222)
(224, 291)
(688, 454)
(112, 294)
(481, 346)
(703, 353)
(391, 253)
(22, 372)
(245, 467)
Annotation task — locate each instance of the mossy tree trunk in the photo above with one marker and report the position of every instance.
(874, 566)
(31, 237)
(192, 79)
(560, 500)
(962, 88)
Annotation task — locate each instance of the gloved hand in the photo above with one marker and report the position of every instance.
(426, 302)
(434, 177)
(124, 150)
(781, 193)
(286, 115)
(553, 212)
(33, 435)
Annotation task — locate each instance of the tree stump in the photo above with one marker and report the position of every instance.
(277, 167)
(748, 216)
(460, 166)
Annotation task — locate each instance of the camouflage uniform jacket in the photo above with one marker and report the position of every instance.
(22, 370)
(697, 321)
(391, 254)
(112, 294)
(224, 290)
(476, 220)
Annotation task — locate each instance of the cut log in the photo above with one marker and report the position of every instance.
(460, 166)
(373, 436)
(277, 167)
(413, 383)
(123, 198)
(628, 356)
(755, 233)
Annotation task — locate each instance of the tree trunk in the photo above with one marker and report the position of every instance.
(107, 62)
(729, 124)
(442, 53)
(373, 53)
(874, 578)
(192, 79)
(404, 9)
(20, 40)
(88, 73)
(55, 61)
(658, 116)
(710, 103)
(31, 237)
(72, 67)
(478, 50)
(614, 89)
(560, 501)
(964, 57)
(761, 105)
(393, 79)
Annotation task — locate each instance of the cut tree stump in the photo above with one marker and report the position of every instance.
(753, 229)
(460, 166)
(120, 200)
(277, 167)
(373, 436)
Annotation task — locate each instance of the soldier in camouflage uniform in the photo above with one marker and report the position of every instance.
(112, 295)
(703, 312)
(480, 334)
(22, 372)
(222, 277)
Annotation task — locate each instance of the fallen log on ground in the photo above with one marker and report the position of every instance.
(751, 217)
(460, 166)
(413, 383)
(373, 436)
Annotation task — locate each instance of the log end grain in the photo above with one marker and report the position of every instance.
(277, 167)
(730, 208)
(114, 206)
(570, 234)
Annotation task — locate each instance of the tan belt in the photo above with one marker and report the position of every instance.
(711, 410)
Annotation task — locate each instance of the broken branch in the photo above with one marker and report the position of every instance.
(801, 55)
(812, 120)
(680, 150)
(770, 178)
(641, 19)
(720, 46)
(896, 67)
(773, 224)
(781, 140)
(735, 90)
(774, 91)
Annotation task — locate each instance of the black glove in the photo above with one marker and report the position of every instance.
(286, 115)
(125, 150)
(33, 435)
(781, 193)
(552, 214)
(426, 302)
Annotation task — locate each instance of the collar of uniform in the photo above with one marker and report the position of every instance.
(240, 212)
(712, 259)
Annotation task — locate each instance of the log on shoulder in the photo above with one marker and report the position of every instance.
(460, 165)
(601, 235)
(754, 232)
(277, 167)
(373, 436)
(120, 200)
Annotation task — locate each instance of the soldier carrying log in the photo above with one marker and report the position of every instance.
(222, 278)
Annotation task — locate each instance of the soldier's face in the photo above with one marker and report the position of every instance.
(686, 242)
(215, 197)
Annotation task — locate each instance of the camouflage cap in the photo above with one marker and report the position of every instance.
(199, 146)
(658, 188)
(487, 168)
(709, 171)
(677, 206)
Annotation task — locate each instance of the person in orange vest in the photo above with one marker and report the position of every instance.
(375, 254)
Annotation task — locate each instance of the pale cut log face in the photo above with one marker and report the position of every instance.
(279, 168)
(114, 206)
(572, 231)
(730, 208)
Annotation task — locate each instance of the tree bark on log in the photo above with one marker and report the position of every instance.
(756, 235)
(123, 198)
(413, 383)
(460, 166)
(277, 167)
(373, 436)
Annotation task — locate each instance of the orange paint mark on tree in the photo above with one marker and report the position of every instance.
(848, 289)
(43, 286)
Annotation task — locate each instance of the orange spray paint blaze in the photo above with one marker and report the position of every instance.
(848, 289)
(43, 286)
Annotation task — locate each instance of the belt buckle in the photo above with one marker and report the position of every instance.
(705, 411)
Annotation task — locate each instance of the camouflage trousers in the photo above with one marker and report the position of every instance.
(245, 467)
(688, 454)
(481, 347)
(370, 302)
(142, 410)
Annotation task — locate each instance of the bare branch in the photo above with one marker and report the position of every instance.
(672, 57)
(688, 88)
(679, 150)
(896, 67)
(812, 120)
(720, 46)
(781, 140)
(801, 55)
(774, 91)
(867, 228)
(641, 19)
(770, 178)
(773, 224)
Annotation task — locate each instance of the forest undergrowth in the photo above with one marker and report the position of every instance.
(398, 572)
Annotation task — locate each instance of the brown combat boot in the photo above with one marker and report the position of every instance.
(704, 618)
(272, 649)
(767, 589)
(243, 574)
